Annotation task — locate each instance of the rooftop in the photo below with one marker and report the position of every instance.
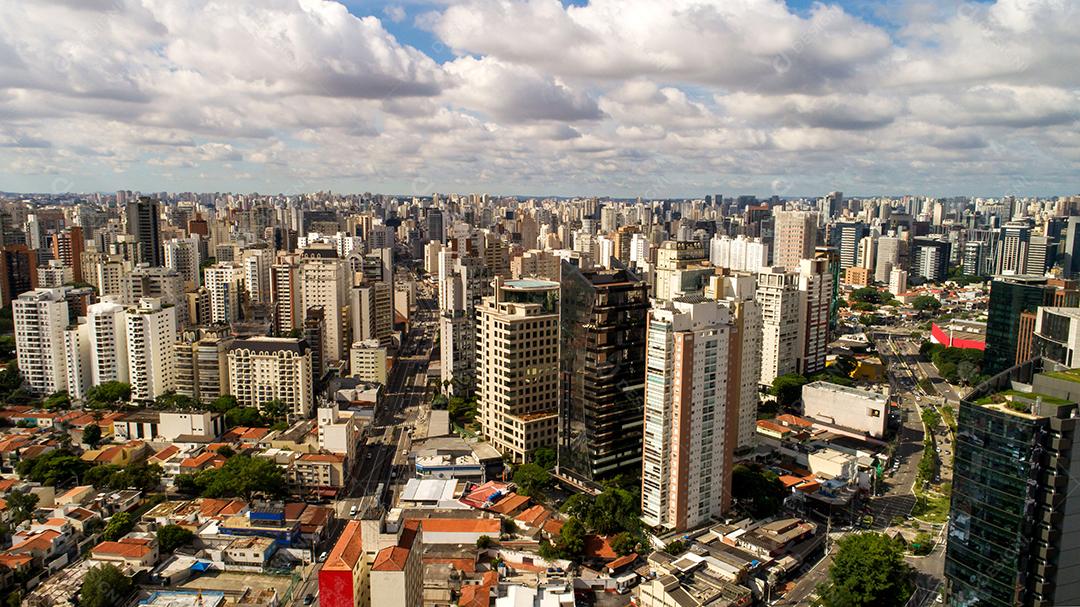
(527, 284)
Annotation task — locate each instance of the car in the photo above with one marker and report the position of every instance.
(352, 511)
(369, 454)
(309, 599)
(322, 557)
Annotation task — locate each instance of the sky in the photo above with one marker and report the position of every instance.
(542, 97)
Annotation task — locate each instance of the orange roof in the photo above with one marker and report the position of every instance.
(123, 548)
(199, 461)
(233, 507)
(166, 453)
(793, 420)
(7, 483)
(348, 550)
(509, 503)
(323, 457)
(534, 517)
(391, 559)
(622, 561)
(40, 541)
(789, 480)
(553, 526)
(479, 595)
(809, 487)
(462, 525)
(599, 547)
(772, 426)
(55, 522)
(15, 561)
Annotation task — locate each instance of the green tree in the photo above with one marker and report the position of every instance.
(868, 569)
(58, 467)
(758, 490)
(572, 539)
(92, 435)
(108, 394)
(244, 416)
(275, 410)
(926, 303)
(544, 457)
(242, 476)
(223, 403)
(22, 505)
(870, 295)
(531, 479)
(118, 526)
(922, 544)
(57, 400)
(484, 542)
(624, 543)
(10, 381)
(171, 401)
(104, 586)
(787, 388)
(171, 537)
(675, 547)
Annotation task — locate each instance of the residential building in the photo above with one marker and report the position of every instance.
(285, 296)
(18, 272)
(262, 369)
(888, 257)
(930, 259)
(67, 248)
(795, 239)
(1057, 335)
(40, 318)
(151, 335)
(602, 367)
(107, 328)
(780, 300)
(898, 281)
(518, 366)
(681, 269)
(143, 224)
(1010, 296)
(324, 282)
(740, 254)
(224, 282)
(165, 284)
(815, 298)
(183, 256)
(367, 361)
(77, 359)
(737, 292)
(202, 366)
(687, 459)
(344, 576)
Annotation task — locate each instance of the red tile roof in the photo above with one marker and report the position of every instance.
(125, 548)
(348, 550)
(510, 503)
(490, 526)
(391, 559)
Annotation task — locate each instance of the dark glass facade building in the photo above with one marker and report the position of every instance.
(602, 372)
(1009, 297)
(1014, 530)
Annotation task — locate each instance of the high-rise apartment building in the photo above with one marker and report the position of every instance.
(815, 298)
(602, 360)
(77, 358)
(324, 282)
(518, 366)
(795, 237)
(202, 365)
(18, 272)
(887, 258)
(681, 269)
(740, 254)
(262, 369)
(156, 282)
(107, 328)
(780, 300)
(737, 292)
(930, 259)
(285, 297)
(183, 255)
(224, 282)
(1013, 248)
(151, 336)
(846, 236)
(367, 361)
(142, 224)
(40, 318)
(67, 247)
(688, 446)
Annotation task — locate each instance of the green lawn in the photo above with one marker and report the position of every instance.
(931, 506)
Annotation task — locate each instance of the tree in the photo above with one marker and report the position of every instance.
(867, 569)
(867, 320)
(118, 526)
(176, 402)
(544, 457)
(675, 547)
(242, 476)
(223, 403)
(870, 295)
(57, 400)
(787, 388)
(171, 537)
(572, 539)
(56, 468)
(484, 542)
(922, 544)
(275, 410)
(624, 543)
(758, 490)
(108, 394)
(22, 505)
(92, 435)
(926, 303)
(244, 416)
(531, 479)
(967, 371)
(104, 586)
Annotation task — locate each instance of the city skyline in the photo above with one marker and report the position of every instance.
(544, 98)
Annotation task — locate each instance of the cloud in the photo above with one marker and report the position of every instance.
(395, 13)
(512, 93)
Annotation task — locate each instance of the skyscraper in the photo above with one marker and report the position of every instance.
(142, 223)
(780, 300)
(1010, 296)
(602, 360)
(18, 272)
(846, 236)
(151, 338)
(323, 282)
(815, 297)
(795, 239)
(67, 247)
(1014, 523)
(108, 342)
(930, 259)
(40, 318)
(686, 466)
(681, 268)
(518, 366)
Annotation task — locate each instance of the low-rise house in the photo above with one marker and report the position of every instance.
(462, 531)
(250, 551)
(129, 553)
(118, 455)
(686, 581)
(81, 495)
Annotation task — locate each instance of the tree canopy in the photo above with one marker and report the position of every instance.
(241, 476)
(788, 388)
(22, 505)
(758, 490)
(104, 586)
(926, 303)
(531, 479)
(870, 295)
(58, 467)
(171, 537)
(108, 394)
(545, 457)
(868, 569)
(140, 475)
(91, 436)
(118, 526)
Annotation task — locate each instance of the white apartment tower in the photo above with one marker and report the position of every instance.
(795, 239)
(40, 318)
(779, 298)
(77, 359)
(285, 295)
(108, 342)
(688, 444)
(182, 255)
(224, 281)
(518, 366)
(151, 335)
